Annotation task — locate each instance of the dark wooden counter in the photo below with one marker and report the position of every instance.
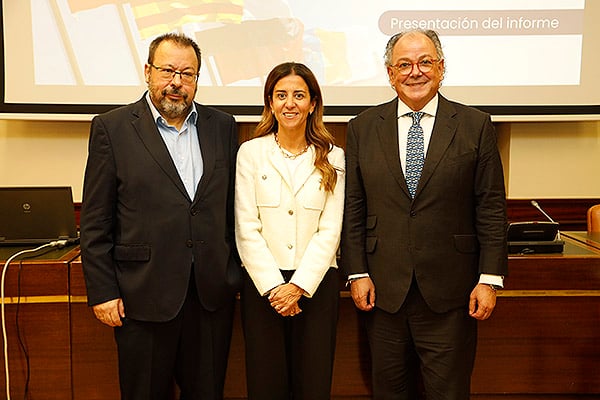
(588, 238)
(542, 339)
(37, 315)
(541, 342)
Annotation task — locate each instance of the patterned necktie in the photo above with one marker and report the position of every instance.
(415, 153)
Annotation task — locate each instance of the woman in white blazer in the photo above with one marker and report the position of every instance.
(289, 199)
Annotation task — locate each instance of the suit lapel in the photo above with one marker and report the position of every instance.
(207, 137)
(147, 131)
(278, 162)
(442, 135)
(387, 132)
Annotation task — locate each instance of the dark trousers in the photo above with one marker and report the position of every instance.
(290, 357)
(191, 350)
(416, 341)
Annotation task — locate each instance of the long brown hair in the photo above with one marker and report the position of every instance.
(316, 133)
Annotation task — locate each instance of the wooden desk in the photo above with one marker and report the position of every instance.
(541, 342)
(94, 352)
(542, 339)
(94, 356)
(37, 310)
(590, 239)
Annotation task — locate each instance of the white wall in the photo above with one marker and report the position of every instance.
(542, 159)
(44, 153)
(554, 160)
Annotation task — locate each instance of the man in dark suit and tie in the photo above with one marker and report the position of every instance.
(424, 237)
(157, 237)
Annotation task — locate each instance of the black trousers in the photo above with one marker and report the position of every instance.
(191, 350)
(290, 357)
(417, 343)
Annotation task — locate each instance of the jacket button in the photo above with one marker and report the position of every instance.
(291, 212)
(413, 214)
(194, 212)
(290, 246)
(189, 243)
(264, 177)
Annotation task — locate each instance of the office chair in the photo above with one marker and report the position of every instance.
(593, 219)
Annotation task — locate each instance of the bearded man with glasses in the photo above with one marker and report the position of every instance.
(157, 231)
(424, 236)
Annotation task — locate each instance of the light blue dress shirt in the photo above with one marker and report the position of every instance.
(183, 146)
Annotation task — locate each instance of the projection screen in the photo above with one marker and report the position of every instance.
(516, 57)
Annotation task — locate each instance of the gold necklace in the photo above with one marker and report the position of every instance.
(289, 154)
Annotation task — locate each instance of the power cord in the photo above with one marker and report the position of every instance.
(20, 338)
(58, 244)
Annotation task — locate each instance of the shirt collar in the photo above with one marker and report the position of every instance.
(429, 109)
(193, 115)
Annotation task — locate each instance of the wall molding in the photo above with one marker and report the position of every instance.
(571, 214)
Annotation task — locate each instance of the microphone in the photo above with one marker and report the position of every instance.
(536, 205)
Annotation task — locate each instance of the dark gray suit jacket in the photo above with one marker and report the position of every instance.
(454, 229)
(140, 231)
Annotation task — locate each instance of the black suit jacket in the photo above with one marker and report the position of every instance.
(452, 231)
(140, 231)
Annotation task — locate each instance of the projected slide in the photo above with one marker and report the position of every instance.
(94, 50)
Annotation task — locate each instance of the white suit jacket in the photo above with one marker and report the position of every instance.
(285, 226)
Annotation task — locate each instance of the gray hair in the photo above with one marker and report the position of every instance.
(432, 35)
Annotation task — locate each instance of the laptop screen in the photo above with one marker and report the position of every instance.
(36, 215)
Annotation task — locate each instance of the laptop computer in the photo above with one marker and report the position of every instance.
(36, 215)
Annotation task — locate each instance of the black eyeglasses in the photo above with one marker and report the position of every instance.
(168, 74)
(425, 66)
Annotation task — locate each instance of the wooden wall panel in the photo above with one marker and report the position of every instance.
(545, 344)
(37, 325)
(93, 348)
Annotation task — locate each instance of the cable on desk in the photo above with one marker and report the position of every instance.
(56, 243)
(19, 336)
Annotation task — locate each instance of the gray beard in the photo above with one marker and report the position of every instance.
(173, 110)
(166, 107)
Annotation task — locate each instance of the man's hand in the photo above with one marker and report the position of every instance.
(110, 313)
(363, 293)
(482, 302)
